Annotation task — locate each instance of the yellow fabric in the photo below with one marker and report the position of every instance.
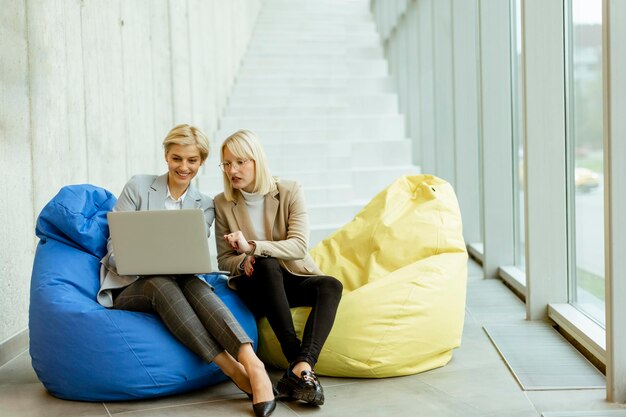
(403, 263)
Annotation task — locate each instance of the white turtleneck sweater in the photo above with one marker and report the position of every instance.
(256, 204)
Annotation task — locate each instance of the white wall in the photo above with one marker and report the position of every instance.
(88, 90)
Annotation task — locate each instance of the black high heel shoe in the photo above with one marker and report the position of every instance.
(265, 408)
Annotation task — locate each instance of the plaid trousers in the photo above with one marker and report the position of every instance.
(190, 310)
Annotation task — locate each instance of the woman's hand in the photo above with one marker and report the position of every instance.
(238, 242)
(248, 268)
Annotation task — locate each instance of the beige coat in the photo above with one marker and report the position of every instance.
(286, 221)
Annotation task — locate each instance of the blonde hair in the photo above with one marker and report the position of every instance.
(184, 135)
(244, 144)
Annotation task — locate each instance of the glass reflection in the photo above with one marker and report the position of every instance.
(518, 134)
(585, 141)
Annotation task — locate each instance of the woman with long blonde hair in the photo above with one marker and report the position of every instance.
(262, 234)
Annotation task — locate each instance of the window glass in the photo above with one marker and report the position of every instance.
(585, 159)
(518, 134)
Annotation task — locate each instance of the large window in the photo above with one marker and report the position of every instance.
(585, 156)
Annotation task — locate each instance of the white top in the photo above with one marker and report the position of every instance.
(171, 204)
(255, 204)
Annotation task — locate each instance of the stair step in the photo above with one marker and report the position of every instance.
(374, 125)
(240, 100)
(340, 52)
(327, 194)
(357, 83)
(331, 155)
(334, 213)
(276, 88)
(345, 71)
(313, 5)
(326, 25)
(311, 17)
(364, 108)
(313, 49)
(369, 181)
(294, 38)
(358, 149)
(318, 63)
(321, 232)
(296, 135)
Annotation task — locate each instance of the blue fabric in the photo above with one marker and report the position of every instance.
(83, 351)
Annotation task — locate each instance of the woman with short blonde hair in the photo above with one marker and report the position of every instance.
(184, 135)
(186, 304)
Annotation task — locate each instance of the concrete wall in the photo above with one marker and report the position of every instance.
(88, 91)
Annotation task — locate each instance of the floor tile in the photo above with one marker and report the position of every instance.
(486, 387)
(218, 408)
(474, 270)
(603, 413)
(22, 395)
(220, 392)
(475, 351)
(387, 397)
(32, 400)
(18, 371)
(490, 301)
(572, 400)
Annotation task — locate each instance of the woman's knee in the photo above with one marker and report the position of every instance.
(194, 284)
(267, 270)
(331, 287)
(160, 287)
(265, 263)
(330, 284)
(157, 283)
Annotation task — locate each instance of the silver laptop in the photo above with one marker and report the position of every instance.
(160, 242)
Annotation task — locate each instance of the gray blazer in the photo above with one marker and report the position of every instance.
(144, 192)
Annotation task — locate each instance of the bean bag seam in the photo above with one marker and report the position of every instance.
(81, 214)
(105, 233)
(389, 328)
(334, 352)
(131, 348)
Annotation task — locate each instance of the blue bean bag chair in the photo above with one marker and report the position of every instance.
(83, 351)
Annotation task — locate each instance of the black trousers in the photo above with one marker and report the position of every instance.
(271, 291)
(190, 310)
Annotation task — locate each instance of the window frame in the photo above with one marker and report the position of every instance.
(614, 65)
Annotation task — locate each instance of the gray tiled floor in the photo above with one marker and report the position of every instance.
(476, 383)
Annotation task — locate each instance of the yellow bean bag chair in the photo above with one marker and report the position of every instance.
(403, 264)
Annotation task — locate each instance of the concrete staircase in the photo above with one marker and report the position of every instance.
(314, 86)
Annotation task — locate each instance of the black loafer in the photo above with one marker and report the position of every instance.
(307, 388)
(264, 409)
